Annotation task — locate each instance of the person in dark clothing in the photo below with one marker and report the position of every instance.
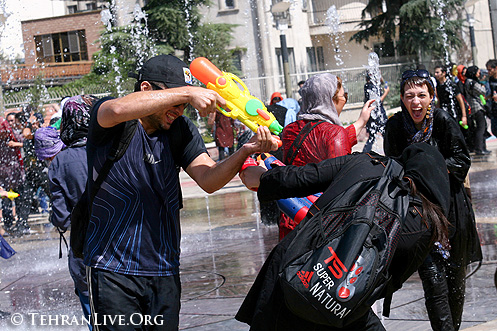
(473, 90)
(492, 96)
(424, 169)
(132, 247)
(12, 177)
(449, 95)
(36, 170)
(443, 273)
(68, 173)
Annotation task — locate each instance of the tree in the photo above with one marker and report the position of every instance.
(176, 24)
(211, 40)
(424, 27)
(122, 49)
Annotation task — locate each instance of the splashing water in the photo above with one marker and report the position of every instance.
(107, 17)
(336, 35)
(373, 72)
(140, 30)
(377, 124)
(440, 6)
(188, 28)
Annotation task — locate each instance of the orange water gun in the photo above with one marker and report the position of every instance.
(240, 103)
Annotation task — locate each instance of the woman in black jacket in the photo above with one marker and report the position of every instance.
(443, 273)
(425, 173)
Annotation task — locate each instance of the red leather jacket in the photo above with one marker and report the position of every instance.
(325, 141)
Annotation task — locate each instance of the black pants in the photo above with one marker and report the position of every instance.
(125, 302)
(479, 134)
(444, 286)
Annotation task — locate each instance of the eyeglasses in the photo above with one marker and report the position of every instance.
(345, 95)
(415, 73)
(156, 87)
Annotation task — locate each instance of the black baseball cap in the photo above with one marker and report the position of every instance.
(167, 69)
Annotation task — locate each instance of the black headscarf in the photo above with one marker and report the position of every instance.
(76, 119)
(471, 72)
(425, 165)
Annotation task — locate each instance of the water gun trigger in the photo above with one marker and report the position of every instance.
(224, 112)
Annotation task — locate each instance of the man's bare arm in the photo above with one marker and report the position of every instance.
(211, 176)
(147, 102)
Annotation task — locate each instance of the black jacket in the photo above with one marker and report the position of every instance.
(448, 139)
(264, 308)
(446, 136)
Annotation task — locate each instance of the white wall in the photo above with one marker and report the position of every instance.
(12, 12)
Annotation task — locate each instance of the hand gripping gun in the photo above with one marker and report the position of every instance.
(240, 103)
(295, 208)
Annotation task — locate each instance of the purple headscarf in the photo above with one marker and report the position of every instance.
(47, 142)
(317, 99)
(76, 119)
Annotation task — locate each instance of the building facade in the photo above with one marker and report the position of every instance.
(317, 34)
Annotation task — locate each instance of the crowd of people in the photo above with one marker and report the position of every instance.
(131, 251)
(21, 171)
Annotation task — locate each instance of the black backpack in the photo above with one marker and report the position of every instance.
(344, 247)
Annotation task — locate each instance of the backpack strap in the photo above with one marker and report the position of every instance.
(344, 181)
(299, 140)
(119, 147)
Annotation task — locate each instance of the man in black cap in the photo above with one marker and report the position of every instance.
(132, 245)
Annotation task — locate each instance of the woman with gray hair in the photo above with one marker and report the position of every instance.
(318, 133)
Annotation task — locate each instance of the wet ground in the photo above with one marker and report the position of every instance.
(223, 246)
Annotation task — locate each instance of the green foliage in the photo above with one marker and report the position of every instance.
(417, 24)
(210, 40)
(173, 22)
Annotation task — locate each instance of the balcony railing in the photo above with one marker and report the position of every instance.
(14, 74)
(348, 11)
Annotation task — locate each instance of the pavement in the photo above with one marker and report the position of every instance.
(224, 244)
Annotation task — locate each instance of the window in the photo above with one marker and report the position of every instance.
(72, 9)
(227, 5)
(237, 61)
(315, 59)
(61, 47)
(91, 6)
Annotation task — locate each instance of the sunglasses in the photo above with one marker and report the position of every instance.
(415, 73)
(345, 95)
(421, 73)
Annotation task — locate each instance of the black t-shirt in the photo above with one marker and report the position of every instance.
(134, 226)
